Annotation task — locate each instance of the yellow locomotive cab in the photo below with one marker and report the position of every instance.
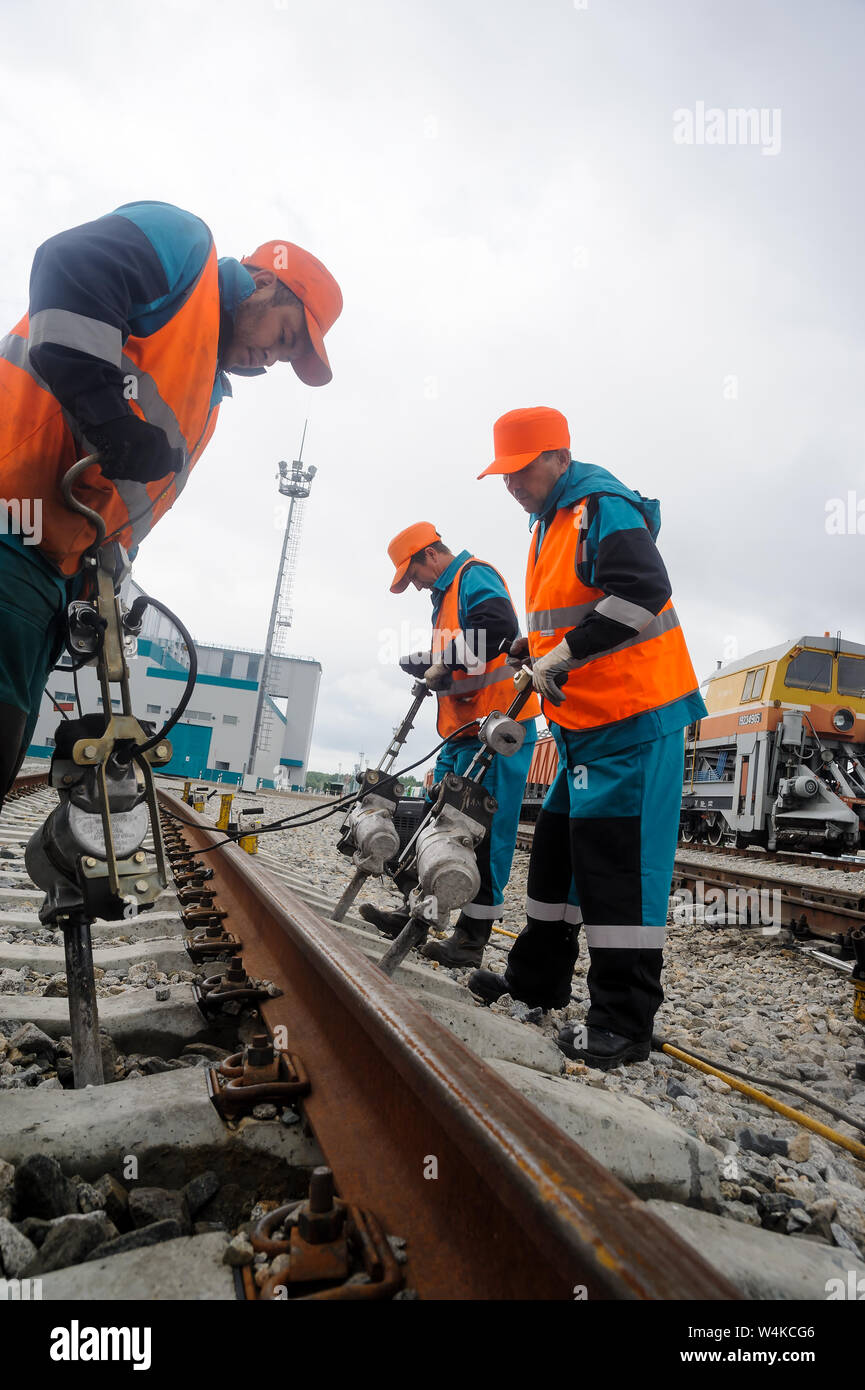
(780, 756)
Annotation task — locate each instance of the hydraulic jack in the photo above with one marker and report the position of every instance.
(89, 855)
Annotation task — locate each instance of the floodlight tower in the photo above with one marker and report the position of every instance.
(295, 482)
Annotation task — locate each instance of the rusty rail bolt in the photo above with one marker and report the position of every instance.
(195, 895)
(322, 1216)
(214, 935)
(235, 976)
(233, 984)
(200, 916)
(238, 1084)
(195, 878)
(260, 1051)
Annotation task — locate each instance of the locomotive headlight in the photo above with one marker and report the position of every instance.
(843, 719)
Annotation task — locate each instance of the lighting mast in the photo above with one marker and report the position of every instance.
(295, 482)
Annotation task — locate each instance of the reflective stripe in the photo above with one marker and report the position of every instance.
(483, 911)
(635, 938)
(134, 495)
(548, 619)
(137, 501)
(553, 912)
(155, 409)
(621, 611)
(472, 683)
(70, 330)
(15, 349)
(663, 623)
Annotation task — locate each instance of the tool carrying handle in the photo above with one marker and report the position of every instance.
(74, 504)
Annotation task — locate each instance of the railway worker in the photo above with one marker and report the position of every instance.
(132, 327)
(472, 618)
(618, 689)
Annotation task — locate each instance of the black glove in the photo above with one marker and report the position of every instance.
(132, 448)
(415, 664)
(518, 652)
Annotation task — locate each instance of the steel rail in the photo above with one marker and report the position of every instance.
(822, 911)
(516, 1210)
(26, 783)
(850, 864)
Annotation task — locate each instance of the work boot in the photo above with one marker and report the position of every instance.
(487, 985)
(600, 1048)
(490, 987)
(465, 946)
(390, 923)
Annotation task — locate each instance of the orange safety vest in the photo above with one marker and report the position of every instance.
(475, 695)
(169, 380)
(646, 671)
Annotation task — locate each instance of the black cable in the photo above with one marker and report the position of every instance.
(77, 692)
(395, 776)
(141, 602)
(258, 830)
(308, 817)
(54, 703)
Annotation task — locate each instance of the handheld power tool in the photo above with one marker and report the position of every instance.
(437, 870)
(89, 854)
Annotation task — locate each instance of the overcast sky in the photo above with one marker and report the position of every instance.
(499, 192)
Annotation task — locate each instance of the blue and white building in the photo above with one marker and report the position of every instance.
(212, 740)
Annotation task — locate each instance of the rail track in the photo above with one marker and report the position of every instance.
(846, 863)
(806, 909)
(449, 1183)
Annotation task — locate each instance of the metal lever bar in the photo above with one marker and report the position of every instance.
(75, 505)
(420, 692)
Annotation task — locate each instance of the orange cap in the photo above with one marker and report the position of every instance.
(406, 544)
(521, 435)
(319, 293)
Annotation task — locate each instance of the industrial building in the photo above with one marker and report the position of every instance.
(213, 739)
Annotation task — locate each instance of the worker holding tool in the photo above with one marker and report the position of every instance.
(473, 624)
(132, 328)
(610, 662)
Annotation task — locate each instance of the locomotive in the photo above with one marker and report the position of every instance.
(779, 760)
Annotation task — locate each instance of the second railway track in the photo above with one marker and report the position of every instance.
(823, 908)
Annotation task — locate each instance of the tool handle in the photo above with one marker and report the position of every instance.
(73, 502)
(524, 688)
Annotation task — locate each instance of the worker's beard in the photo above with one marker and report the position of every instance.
(247, 320)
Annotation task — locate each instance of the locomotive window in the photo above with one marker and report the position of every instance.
(810, 671)
(753, 687)
(851, 675)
